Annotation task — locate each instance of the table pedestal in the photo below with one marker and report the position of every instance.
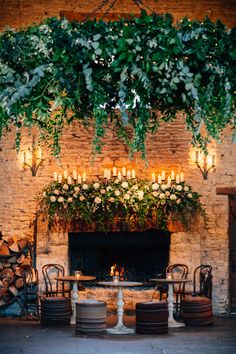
(74, 298)
(170, 299)
(120, 328)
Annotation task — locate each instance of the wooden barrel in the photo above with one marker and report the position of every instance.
(197, 311)
(152, 317)
(55, 310)
(91, 317)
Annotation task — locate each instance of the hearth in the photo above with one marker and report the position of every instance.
(139, 255)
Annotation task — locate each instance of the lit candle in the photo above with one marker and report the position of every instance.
(181, 177)
(133, 174)
(119, 176)
(69, 180)
(79, 179)
(159, 179)
(213, 160)
(55, 176)
(105, 173)
(108, 174)
(169, 181)
(153, 177)
(197, 157)
(74, 174)
(163, 175)
(114, 171)
(65, 174)
(123, 171)
(128, 174)
(39, 153)
(84, 177)
(172, 175)
(59, 178)
(177, 179)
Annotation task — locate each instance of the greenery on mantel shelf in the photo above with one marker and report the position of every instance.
(137, 202)
(135, 72)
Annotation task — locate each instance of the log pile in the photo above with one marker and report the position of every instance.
(15, 256)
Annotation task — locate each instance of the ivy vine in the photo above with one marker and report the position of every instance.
(135, 72)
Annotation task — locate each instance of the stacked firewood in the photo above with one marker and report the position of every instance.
(15, 256)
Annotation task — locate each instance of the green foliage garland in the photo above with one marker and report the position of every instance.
(134, 200)
(134, 72)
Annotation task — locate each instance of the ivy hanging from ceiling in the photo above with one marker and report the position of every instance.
(137, 72)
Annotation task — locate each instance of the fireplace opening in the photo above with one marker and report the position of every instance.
(140, 255)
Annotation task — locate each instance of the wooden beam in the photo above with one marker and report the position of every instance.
(81, 16)
(226, 190)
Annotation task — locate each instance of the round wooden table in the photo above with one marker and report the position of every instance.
(170, 298)
(120, 328)
(74, 294)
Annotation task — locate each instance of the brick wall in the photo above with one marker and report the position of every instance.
(168, 149)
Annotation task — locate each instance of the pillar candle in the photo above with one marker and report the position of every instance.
(59, 178)
(123, 171)
(133, 174)
(79, 179)
(69, 180)
(74, 174)
(105, 173)
(159, 179)
(181, 177)
(84, 177)
(177, 179)
(153, 177)
(172, 175)
(128, 174)
(163, 175)
(65, 174)
(114, 171)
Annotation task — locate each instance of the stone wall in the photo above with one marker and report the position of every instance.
(168, 149)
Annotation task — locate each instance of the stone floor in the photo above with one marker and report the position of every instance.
(19, 336)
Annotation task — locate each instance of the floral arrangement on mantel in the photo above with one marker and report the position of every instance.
(136, 201)
(132, 72)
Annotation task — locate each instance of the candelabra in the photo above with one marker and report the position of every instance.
(205, 167)
(32, 158)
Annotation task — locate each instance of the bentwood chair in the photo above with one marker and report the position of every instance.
(202, 281)
(54, 287)
(30, 300)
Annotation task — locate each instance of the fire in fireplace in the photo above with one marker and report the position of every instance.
(136, 256)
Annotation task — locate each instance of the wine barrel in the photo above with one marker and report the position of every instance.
(152, 317)
(197, 311)
(55, 311)
(91, 317)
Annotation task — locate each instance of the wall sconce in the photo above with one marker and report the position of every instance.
(32, 158)
(207, 165)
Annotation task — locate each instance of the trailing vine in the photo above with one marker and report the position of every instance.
(135, 72)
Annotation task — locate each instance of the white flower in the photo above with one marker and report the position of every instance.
(102, 191)
(178, 201)
(155, 194)
(65, 186)
(126, 196)
(140, 195)
(124, 184)
(60, 199)
(53, 199)
(179, 187)
(70, 199)
(96, 185)
(164, 186)
(167, 193)
(173, 197)
(81, 198)
(117, 192)
(111, 200)
(77, 189)
(109, 188)
(135, 187)
(85, 186)
(189, 195)
(186, 188)
(44, 194)
(163, 202)
(155, 186)
(117, 180)
(97, 200)
(162, 196)
(75, 195)
(56, 192)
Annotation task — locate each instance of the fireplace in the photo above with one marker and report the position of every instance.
(141, 254)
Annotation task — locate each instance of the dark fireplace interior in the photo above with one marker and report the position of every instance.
(138, 256)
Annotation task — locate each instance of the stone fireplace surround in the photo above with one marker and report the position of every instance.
(53, 247)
